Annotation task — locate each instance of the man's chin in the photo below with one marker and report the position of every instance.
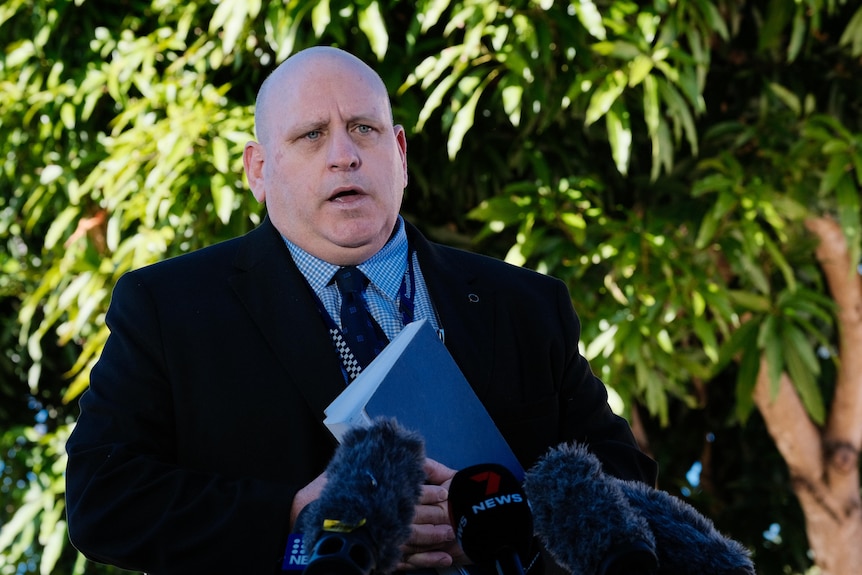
(353, 250)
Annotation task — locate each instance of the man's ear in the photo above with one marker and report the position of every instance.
(401, 142)
(253, 157)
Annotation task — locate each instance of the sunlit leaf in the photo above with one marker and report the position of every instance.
(798, 34)
(431, 10)
(372, 24)
(789, 98)
(852, 34)
(590, 17)
(605, 96)
(320, 17)
(512, 103)
(464, 117)
(60, 226)
(619, 135)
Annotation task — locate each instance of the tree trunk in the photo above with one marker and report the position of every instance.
(824, 463)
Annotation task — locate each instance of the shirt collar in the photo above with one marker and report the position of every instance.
(385, 269)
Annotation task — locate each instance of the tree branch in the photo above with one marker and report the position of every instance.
(795, 435)
(844, 427)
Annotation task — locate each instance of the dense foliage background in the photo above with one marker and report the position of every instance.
(661, 157)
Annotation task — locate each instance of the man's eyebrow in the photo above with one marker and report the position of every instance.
(370, 119)
(308, 126)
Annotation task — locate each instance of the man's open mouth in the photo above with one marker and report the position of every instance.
(344, 194)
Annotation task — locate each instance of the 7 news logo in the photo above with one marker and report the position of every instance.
(492, 481)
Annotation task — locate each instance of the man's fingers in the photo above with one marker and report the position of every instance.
(428, 536)
(434, 495)
(431, 515)
(424, 560)
(437, 473)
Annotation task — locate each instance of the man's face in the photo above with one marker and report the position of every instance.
(330, 165)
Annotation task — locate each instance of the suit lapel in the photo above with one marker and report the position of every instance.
(465, 304)
(278, 300)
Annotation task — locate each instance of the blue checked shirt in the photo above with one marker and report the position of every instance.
(385, 271)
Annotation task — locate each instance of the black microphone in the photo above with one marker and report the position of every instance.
(365, 511)
(491, 517)
(584, 520)
(684, 541)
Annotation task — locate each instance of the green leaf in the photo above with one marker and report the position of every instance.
(714, 18)
(24, 516)
(781, 262)
(835, 171)
(847, 197)
(724, 203)
(372, 24)
(223, 198)
(802, 301)
(619, 135)
(60, 226)
(622, 50)
(652, 118)
(652, 112)
(605, 95)
(746, 379)
(852, 35)
(790, 99)
(680, 112)
(740, 340)
(320, 17)
(230, 16)
(221, 155)
(435, 99)
(769, 339)
(53, 548)
(705, 331)
(796, 345)
(602, 344)
(465, 115)
(590, 18)
(431, 10)
(498, 209)
(512, 97)
(713, 183)
(639, 69)
(798, 34)
(662, 338)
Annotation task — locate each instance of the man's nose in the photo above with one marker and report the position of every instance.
(343, 152)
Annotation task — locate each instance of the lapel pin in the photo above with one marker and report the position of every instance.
(473, 298)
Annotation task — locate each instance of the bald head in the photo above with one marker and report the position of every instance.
(294, 73)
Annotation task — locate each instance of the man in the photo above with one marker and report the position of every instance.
(201, 436)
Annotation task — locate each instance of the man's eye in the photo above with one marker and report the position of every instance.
(313, 135)
(363, 129)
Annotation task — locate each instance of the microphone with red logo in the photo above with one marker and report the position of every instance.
(366, 508)
(491, 517)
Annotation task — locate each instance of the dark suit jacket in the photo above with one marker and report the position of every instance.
(204, 414)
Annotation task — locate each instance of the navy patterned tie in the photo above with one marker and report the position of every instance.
(357, 325)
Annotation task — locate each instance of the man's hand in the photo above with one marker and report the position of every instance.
(305, 496)
(432, 542)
